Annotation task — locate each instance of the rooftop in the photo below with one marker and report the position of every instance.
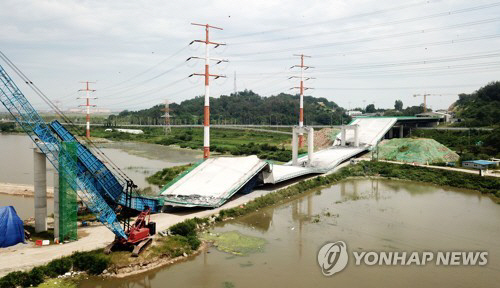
(481, 162)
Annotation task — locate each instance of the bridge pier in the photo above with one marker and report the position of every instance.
(56, 205)
(296, 131)
(401, 131)
(40, 185)
(343, 134)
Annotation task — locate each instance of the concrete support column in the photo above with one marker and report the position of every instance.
(56, 205)
(40, 172)
(310, 145)
(356, 135)
(391, 134)
(401, 131)
(295, 146)
(342, 136)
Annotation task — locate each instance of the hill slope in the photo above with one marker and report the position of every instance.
(248, 107)
(481, 108)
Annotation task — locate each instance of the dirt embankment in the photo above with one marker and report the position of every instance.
(22, 190)
(324, 138)
(144, 266)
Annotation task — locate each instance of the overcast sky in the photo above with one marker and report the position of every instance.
(362, 51)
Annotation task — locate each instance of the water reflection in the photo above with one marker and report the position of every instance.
(368, 214)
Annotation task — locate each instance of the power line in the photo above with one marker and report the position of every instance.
(395, 22)
(367, 39)
(371, 13)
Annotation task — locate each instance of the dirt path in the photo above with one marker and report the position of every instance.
(22, 190)
(444, 168)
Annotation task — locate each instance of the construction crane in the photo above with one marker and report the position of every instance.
(98, 188)
(425, 98)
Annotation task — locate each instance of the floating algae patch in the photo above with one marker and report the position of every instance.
(234, 242)
(416, 150)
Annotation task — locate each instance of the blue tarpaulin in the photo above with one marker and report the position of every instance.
(11, 227)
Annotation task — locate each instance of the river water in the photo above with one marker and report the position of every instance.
(378, 215)
(137, 160)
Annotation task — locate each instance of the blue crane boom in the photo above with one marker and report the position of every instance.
(106, 183)
(31, 122)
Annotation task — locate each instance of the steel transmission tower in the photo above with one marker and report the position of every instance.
(167, 116)
(87, 104)
(207, 75)
(301, 89)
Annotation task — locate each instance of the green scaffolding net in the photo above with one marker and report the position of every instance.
(418, 150)
(68, 204)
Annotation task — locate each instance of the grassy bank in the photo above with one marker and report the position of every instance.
(182, 241)
(486, 185)
(166, 175)
(265, 145)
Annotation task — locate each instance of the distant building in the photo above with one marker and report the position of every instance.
(444, 117)
(354, 113)
(131, 131)
(479, 164)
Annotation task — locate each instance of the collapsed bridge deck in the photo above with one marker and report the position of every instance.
(214, 181)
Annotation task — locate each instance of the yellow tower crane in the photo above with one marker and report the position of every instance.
(425, 98)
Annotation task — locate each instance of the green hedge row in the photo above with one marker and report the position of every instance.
(93, 262)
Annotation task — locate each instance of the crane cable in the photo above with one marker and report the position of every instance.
(60, 113)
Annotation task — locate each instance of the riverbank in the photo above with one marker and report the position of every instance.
(22, 190)
(263, 197)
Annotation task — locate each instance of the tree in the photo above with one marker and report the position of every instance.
(370, 108)
(398, 105)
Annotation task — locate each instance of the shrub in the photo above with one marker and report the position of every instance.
(14, 279)
(58, 267)
(184, 228)
(93, 263)
(36, 276)
(193, 241)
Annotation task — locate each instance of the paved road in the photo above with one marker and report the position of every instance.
(455, 128)
(470, 171)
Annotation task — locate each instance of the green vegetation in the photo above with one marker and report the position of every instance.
(244, 107)
(235, 243)
(8, 127)
(166, 175)
(59, 283)
(481, 108)
(415, 150)
(92, 262)
(471, 144)
(486, 185)
(266, 145)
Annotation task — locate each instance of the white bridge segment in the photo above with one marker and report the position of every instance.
(371, 130)
(215, 180)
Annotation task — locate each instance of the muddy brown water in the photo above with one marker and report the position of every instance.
(373, 214)
(137, 160)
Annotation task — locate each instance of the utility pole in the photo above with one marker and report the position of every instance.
(425, 98)
(235, 87)
(207, 75)
(301, 89)
(87, 103)
(167, 116)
